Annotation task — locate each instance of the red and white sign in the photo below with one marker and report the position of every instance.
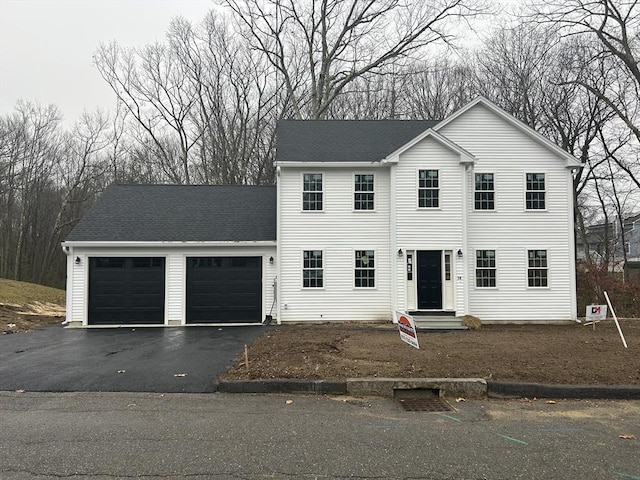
(596, 313)
(407, 329)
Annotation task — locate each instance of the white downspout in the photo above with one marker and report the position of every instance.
(465, 238)
(278, 288)
(68, 251)
(393, 242)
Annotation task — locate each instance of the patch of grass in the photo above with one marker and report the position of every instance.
(23, 293)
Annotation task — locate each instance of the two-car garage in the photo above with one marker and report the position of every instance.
(131, 290)
(171, 255)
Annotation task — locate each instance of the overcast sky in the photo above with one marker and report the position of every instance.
(46, 46)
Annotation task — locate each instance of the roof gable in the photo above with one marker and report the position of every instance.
(465, 156)
(344, 140)
(570, 160)
(183, 213)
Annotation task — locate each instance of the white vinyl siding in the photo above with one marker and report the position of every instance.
(80, 288)
(176, 288)
(338, 232)
(501, 148)
(428, 228)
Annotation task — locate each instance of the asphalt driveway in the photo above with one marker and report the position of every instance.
(181, 359)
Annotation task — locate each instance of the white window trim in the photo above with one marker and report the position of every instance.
(302, 191)
(475, 267)
(353, 186)
(546, 192)
(494, 195)
(526, 267)
(302, 269)
(375, 270)
(417, 190)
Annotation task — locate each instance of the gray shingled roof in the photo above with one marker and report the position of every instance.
(180, 213)
(344, 140)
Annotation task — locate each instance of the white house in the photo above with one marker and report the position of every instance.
(469, 215)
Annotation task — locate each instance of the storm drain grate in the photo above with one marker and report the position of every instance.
(424, 404)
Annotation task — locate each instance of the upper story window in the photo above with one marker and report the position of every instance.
(312, 191)
(537, 271)
(363, 191)
(312, 270)
(428, 189)
(484, 191)
(485, 268)
(536, 190)
(365, 271)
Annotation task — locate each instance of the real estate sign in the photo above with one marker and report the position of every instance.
(407, 329)
(596, 313)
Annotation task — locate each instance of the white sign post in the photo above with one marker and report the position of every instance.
(624, 342)
(407, 329)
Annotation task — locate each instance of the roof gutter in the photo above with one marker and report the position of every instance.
(365, 163)
(170, 244)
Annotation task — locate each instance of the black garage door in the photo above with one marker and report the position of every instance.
(224, 289)
(125, 290)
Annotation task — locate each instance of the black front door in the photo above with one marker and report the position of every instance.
(430, 280)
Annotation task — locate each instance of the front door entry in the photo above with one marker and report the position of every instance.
(430, 280)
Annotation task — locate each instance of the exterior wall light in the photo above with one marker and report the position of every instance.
(459, 253)
(270, 260)
(399, 252)
(77, 260)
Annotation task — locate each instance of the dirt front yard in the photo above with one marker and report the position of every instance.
(566, 354)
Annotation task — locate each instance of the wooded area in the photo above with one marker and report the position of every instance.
(201, 107)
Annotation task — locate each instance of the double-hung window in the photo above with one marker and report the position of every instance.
(363, 191)
(536, 190)
(312, 191)
(537, 271)
(428, 189)
(312, 270)
(484, 191)
(365, 269)
(485, 268)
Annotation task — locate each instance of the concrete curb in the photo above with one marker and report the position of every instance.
(530, 390)
(283, 385)
(447, 387)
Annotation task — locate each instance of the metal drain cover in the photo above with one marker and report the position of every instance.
(424, 404)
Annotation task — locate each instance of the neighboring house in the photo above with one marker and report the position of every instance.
(601, 235)
(469, 215)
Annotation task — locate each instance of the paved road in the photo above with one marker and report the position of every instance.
(195, 436)
(121, 359)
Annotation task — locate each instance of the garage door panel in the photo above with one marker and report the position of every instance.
(224, 289)
(126, 290)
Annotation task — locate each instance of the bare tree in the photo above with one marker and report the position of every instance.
(610, 33)
(437, 88)
(235, 107)
(320, 47)
(152, 85)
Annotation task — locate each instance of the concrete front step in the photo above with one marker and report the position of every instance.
(438, 323)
